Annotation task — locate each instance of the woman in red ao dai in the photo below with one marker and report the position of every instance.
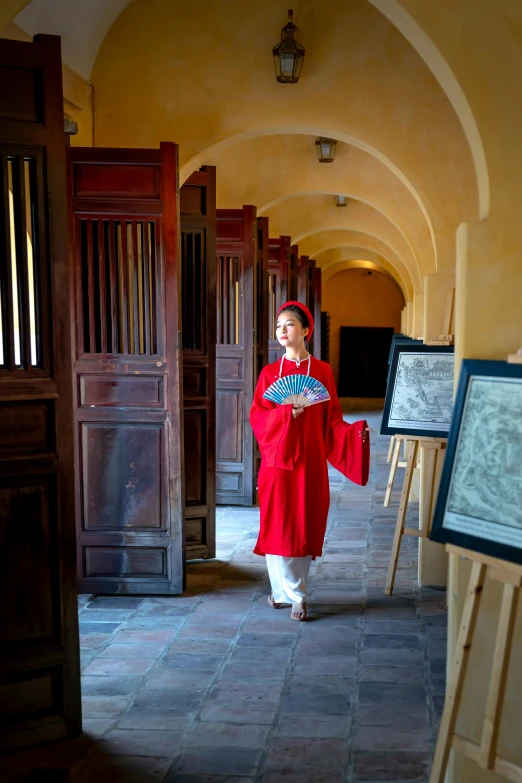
(296, 443)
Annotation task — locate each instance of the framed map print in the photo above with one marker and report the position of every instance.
(403, 339)
(479, 505)
(419, 396)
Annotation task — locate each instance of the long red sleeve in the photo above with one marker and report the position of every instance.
(345, 448)
(274, 428)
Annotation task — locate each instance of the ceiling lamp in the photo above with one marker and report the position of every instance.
(325, 149)
(341, 201)
(288, 54)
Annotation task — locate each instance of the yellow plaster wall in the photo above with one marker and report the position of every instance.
(8, 10)
(355, 298)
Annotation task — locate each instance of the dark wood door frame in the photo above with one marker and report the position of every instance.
(198, 253)
(236, 235)
(307, 294)
(39, 645)
(317, 338)
(262, 313)
(262, 303)
(278, 271)
(293, 266)
(125, 252)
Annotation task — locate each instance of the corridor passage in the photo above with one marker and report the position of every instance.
(217, 686)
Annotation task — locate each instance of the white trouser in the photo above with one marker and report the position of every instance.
(288, 577)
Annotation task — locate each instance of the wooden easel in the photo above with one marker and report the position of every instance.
(396, 442)
(515, 358)
(485, 753)
(433, 449)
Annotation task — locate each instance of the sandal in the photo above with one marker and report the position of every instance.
(272, 603)
(299, 614)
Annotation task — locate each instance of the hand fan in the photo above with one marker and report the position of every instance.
(297, 390)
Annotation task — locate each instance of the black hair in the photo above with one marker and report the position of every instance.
(300, 315)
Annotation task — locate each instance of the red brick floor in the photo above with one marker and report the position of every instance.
(216, 686)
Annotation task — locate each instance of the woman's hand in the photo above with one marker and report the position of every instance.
(297, 410)
(365, 434)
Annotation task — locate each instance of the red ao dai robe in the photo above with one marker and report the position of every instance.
(294, 492)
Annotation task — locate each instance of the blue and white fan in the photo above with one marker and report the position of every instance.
(297, 390)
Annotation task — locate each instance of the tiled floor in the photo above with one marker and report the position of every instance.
(216, 686)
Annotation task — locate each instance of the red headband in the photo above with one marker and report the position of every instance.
(305, 310)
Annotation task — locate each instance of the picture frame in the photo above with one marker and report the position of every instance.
(419, 396)
(479, 505)
(396, 340)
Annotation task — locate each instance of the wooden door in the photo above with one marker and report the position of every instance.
(363, 360)
(262, 303)
(39, 651)
(198, 275)
(278, 263)
(302, 279)
(310, 298)
(124, 227)
(292, 272)
(306, 293)
(262, 314)
(317, 337)
(236, 231)
(325, 336)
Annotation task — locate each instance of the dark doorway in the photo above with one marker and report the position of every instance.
(363, 362)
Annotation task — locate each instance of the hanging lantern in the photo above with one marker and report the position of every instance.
(341, 201)
(325, 149)
(288, 54)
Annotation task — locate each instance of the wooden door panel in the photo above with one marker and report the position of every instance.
(198, 259)
(262, 298)
(129, 429)
(236, 354)
(317, 338)
(262, 314)
(307, 293)
(292, 272)
(302, 279)
(278, 288)
(39, 651)
(133, 501)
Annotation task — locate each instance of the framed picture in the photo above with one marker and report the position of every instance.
(402, 339)
(479, 505)
(419, 397)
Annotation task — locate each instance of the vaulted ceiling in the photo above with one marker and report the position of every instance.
(202, 75)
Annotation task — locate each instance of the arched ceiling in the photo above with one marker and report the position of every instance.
(290, 168)
(369, 266)
(82, 24)
(318, 244)
(202, 75)
(314, 214)
(333, 261)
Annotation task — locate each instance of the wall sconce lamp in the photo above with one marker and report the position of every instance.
(288, 54)
(341, 201)
(325, 149)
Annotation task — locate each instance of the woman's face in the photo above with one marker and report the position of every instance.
(289, 330)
